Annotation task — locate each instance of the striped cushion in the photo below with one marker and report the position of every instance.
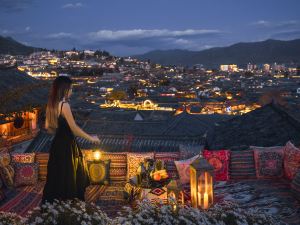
(242, 165)
(42, 160)
(7, 174)
(295, 185)
(118, 166)
(169, 158)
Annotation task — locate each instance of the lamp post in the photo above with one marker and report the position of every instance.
(202, 193)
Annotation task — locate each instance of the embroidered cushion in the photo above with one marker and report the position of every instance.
(7, 174)
(134, 160)
(26, 174)
(23, 157)
(295, 185)
(118, 166)
(220, 161)
(291, 160)
(42, 160)
(99, 171)
(183, 169)
(269, 163)
(168, 158)
(4, 159)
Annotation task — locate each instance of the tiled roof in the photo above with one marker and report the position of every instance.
(120, 143)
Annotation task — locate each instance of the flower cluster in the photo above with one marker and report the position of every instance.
(70, 212)
(76, 212)
(221, 214)
(7, 218)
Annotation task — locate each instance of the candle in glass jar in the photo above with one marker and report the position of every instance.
(199, 198)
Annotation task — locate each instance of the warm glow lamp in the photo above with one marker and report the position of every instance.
(202, 193)
(97, 155)
(175, 194)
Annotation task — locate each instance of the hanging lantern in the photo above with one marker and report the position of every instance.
(175, 194)
(202, 193)
(97, 155)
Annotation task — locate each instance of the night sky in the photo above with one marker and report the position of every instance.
(127, 27)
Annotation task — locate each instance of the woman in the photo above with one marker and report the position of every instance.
(67, 176)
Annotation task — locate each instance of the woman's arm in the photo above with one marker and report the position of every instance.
(77, 131)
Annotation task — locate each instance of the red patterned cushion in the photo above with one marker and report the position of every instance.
(23, 157)
(220, 161)
(26, 174)
(42, 160)
(183, 169)
(7, 174)
(291, 160)
(168, 158)
(269, 163)
(4, 159)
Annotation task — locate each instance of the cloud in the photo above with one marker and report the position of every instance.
(15, 5)
(276, 25)
(28, 28)
(137, 34)
(72, 5)
(60, 35)
(287, 35)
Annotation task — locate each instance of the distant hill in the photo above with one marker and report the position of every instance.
(268, 51)
(9, 46)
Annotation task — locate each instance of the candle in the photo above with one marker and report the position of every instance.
(199, 199)
(205, 201)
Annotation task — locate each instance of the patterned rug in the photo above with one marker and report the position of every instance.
(21, 200)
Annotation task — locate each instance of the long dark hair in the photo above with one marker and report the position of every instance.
(59, 90)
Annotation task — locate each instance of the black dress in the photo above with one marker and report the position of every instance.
(67, 176)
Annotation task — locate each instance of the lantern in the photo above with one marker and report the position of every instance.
(202, 193)
(97, 155)
(175, 194)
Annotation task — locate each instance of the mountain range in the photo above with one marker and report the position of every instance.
(268, 51)
(9, 46)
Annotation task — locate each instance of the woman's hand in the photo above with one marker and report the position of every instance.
(95, 140)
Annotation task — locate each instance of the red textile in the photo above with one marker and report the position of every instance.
(291, 160)
(268, 163)
(220, 161)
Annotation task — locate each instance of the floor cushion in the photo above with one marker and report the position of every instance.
(42, 159)
(25, 174)
(99, 171)
(220, 161)
(291, 160)
(295, 185)
(7, 175)
(183, 169)
(23, 157)
(4, 159)
(242, 165)
(268, 163)
(168, 158)
(134, 160)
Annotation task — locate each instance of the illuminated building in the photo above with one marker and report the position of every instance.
(229, 68)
